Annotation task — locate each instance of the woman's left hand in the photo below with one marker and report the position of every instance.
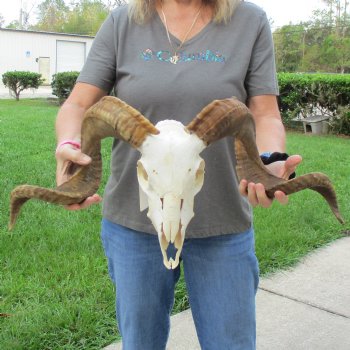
(256, 192)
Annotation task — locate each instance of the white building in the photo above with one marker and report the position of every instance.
(42, 52)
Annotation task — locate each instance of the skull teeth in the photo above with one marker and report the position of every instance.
(171, 264)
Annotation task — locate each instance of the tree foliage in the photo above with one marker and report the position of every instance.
(63, 16)
(320, 45)
(86, 17)
(52, 15)
(288, 47)
(81, 17)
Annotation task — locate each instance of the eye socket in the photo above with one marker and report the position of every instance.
(142, 174)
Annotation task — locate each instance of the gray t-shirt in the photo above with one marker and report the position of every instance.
(223, 60)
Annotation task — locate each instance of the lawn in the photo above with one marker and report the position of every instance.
(53, 275)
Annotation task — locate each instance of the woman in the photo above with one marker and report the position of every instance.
(169, 59)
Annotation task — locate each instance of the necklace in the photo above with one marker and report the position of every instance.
(175, 57)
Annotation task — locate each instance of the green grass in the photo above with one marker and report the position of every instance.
(53, 273)
(286, 233)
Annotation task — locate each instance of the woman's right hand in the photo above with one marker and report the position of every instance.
(65, 156)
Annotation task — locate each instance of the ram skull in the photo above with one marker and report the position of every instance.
(170, 171)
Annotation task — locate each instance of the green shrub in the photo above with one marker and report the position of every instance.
(17, 81)
(305, 94)
(340, 124)
(62, 84)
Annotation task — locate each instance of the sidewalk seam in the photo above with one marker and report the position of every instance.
(305, 303)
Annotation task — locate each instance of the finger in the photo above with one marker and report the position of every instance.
(262, 198)
(95, 199)
(65, 157)
(243, 188)
(294, 160)
(62, 173)
(281, 197)
(253, 199)
(291, 164)
(60, 179)
(72, 154)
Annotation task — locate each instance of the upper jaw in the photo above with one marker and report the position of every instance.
(175, 241)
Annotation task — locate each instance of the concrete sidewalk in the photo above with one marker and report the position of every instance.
(305, 308)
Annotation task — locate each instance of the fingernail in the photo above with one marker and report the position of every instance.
(85, 158)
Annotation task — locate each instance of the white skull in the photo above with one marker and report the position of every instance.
(170, 173)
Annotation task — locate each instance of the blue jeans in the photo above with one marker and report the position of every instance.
(221, 275)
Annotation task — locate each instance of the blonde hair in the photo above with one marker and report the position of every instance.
(142, 10)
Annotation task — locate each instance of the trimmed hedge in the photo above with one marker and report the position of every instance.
(341, 123)
(62, 84)
(300, 95)
(305, 94)
(17, 81)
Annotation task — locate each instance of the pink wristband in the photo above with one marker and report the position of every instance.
(68, 142)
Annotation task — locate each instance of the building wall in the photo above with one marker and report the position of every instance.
(20, 50)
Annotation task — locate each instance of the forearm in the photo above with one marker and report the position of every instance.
(270, 134)
(71, 114)
(68, 122)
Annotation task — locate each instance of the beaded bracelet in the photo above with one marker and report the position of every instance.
(68, 142)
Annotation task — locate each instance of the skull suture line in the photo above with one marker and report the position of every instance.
(171, 172)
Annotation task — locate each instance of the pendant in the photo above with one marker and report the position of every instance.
(174, 59)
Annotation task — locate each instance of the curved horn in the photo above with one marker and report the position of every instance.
(230, 117)
(108, 117)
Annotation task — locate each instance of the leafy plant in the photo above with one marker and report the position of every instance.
(306, 94)
(62, 84)
(17, 81)
(340, 124)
